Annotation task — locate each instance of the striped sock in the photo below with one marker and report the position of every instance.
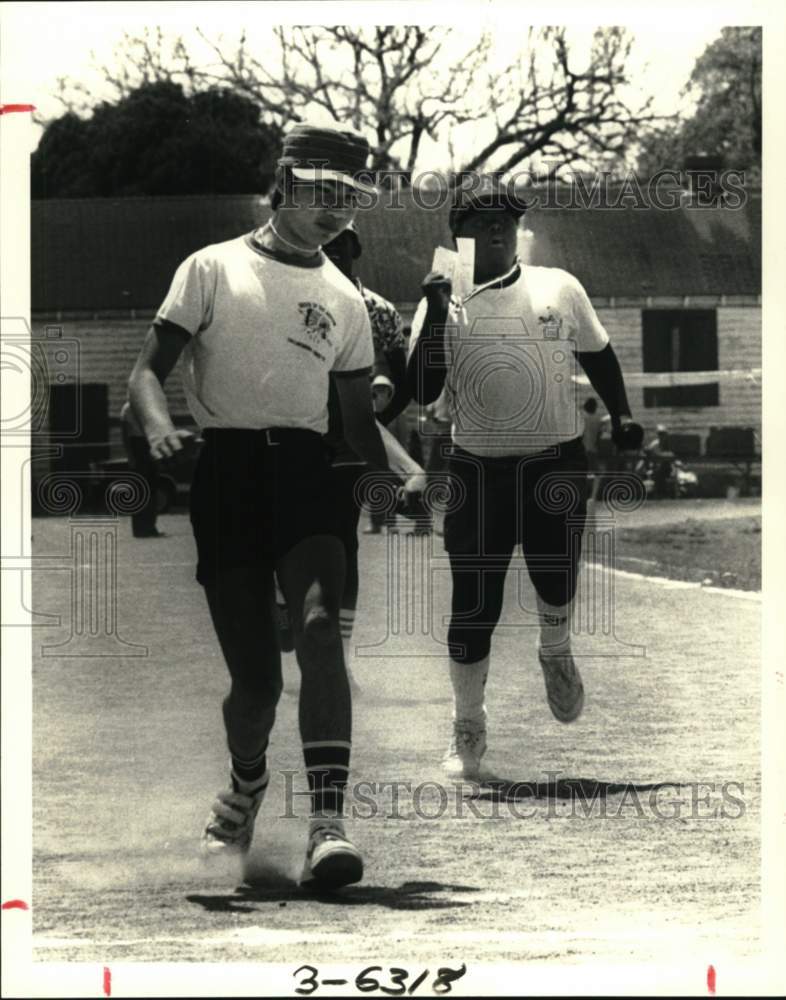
(346, 619)
(249, 776)
(327, 768)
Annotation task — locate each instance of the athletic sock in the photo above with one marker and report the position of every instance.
(347, 623)
(346, 618)
(469, 684)
(554, 628)
(249, 776)
(327, 769)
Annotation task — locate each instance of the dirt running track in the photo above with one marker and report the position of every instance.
(128, 753)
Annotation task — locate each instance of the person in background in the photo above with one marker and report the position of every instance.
(662, 457)
(594, 424)
(437, 417)
(143, 522)
(389, 399)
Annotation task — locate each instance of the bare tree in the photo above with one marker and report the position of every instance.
(544, 110)
(383, 77)
(406, 82)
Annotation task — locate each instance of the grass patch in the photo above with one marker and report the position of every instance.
(724, 553)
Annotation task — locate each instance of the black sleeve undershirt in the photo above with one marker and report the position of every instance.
(428, 363)
(603, 370)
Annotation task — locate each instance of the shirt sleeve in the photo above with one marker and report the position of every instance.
(417, 325)
(387, 327)
(357, 347)
(590, 333)
(189, 301)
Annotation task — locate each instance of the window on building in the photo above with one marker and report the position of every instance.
(680, 340)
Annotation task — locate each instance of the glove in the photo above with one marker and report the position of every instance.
(628, 435)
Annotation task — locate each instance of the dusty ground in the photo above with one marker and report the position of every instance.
(725, 553)
(128, 753)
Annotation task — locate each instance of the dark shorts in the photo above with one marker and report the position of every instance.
(255, 495)
(537, 501)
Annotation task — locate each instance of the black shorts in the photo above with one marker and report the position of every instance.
(538, 501)
(256, 494)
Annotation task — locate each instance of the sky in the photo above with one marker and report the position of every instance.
(44, 41)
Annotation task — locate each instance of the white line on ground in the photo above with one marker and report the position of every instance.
(668, 584)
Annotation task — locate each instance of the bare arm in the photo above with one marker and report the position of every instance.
(361, 430)
(163, 346)
(399, 459)
(396, 370)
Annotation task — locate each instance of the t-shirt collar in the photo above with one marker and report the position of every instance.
(296, 260)
(502, 281)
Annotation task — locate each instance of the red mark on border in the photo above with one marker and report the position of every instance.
(15, 904)
(711, 979)
(8, 109)
(107, 982)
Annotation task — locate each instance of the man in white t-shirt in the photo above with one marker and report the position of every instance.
(505, 358)
(263, 321)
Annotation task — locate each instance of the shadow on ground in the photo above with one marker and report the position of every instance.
(282, 890)
(495, 788)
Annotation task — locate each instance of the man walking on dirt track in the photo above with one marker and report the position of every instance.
(505, 359)
(263, 321)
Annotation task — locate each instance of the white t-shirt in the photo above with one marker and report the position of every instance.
(265, 336)
(510, 386)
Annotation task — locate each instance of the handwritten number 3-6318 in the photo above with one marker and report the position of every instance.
(393, 983)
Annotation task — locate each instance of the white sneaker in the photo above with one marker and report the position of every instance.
(467, 746)
(230, 826)
(331, 858)
(564, 687)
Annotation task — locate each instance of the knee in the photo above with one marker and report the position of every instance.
(249, 695)
(555, 589)
(320, 628)
(469, 645)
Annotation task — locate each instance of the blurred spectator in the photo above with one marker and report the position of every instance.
(143, 522)
(594, 425)
(659, 452)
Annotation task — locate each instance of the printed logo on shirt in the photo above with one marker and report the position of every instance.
(318, 322)
(550, 324)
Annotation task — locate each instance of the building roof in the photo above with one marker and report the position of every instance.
(120, 253)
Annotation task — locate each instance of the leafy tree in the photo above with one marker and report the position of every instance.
(157, 140)
(725, 85)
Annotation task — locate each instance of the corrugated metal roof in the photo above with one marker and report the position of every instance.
(96, 254)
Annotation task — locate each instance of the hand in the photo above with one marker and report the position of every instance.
(171, 444)
(410, 496)
(627, 435)
(416, 483)
(437, 289)
(381, 397)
